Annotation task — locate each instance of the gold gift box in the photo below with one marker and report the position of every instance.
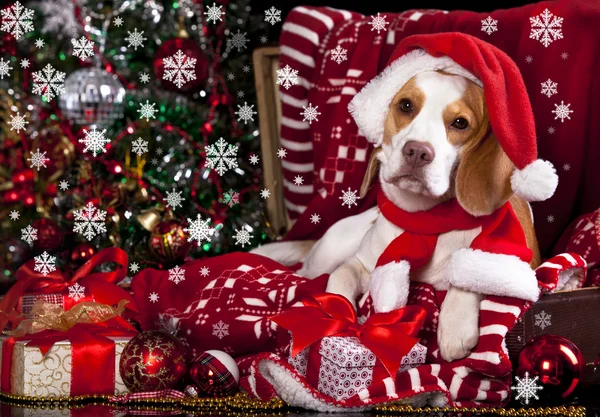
(35, 375)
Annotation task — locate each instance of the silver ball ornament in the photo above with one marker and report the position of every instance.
(93, 96)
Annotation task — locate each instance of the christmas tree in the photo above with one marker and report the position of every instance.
(131, 124)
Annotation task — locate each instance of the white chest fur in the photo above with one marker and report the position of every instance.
(383, 232)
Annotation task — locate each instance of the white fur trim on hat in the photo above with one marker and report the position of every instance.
(389, 286)
(369, 107)
(492, 274)
(536, 182)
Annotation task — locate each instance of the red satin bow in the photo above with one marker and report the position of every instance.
(102, 285)
(390, 336)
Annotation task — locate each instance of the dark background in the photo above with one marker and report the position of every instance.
(367, 7)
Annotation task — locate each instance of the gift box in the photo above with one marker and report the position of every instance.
(50, 375)
(341, 366)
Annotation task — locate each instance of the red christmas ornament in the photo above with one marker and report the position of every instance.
(190, 49)
(82, 252)
(168, 242)
(556, 361)
(215, 374)
(151, 361)
(50, 235)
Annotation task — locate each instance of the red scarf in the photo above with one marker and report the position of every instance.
(501, 231)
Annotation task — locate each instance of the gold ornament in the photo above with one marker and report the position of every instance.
(151, 217)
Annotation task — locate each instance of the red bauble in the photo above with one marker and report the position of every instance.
(151, 361)
(191, 50)
(82, 253)
(215, 374)
(168, 242)
(556, 361)
(50, 235)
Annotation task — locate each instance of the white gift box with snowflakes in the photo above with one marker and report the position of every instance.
(341, 367)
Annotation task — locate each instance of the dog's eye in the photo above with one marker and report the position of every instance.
(405, 105)
(460, 123)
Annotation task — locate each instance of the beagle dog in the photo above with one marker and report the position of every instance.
(437, 145)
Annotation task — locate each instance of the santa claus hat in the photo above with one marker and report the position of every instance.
(506, 98)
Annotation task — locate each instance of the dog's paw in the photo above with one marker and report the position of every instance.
(389, 286)
(458, 326)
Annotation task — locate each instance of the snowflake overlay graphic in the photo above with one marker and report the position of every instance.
(298, 180)
(18, 122)
(147, 111)
(204, 271)
(44, 263)
(542, 319)
(176, 274)
(265, 193)
(76, 291)
(526, 388)
(29, 234)
(16, 20)
(549, 88)
(550, 219)
(546, 28)
(199, 229)
(339, 54)
(378, 23)
(221, 156)
(89, 221)
(48, 82)
(118, 21)
(231, 198)
(566, 167)
(63, 185)
(245, 112)
(310, 113)
(349, 197)
(139, 146)
(253, 159)
(83, 48)
(281, 153)
(94, 140)
(489, 25)
(135, 39)
(179, 68)
(287, 77)
(242, 237)
(214, 13)
(4, 68)
(529, 59)
(25, 63)
(144, 77)
(174, 199)
(238, 40)
(315, 218)
(134, 267)
(14, 215)
(153, 297)
(38, 159)
(272, 15)
(220, 329)
(562, 112)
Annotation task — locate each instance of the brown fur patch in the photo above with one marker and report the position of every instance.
(370, 173)
(521, 209)
(396, 119)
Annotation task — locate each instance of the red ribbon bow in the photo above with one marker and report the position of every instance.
(390, 336)
(102, 285)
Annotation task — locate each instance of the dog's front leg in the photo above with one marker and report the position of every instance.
(349, 280)
(458, 325)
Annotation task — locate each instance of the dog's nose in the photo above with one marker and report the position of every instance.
(418, 154)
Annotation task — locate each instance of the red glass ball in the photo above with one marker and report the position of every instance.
(190, 48)
(82, 252)
(168, 241)
(152, 360)
(50, 235)
(556, 361)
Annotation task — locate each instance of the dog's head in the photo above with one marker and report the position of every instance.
(438, 144)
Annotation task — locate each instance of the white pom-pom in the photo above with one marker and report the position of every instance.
(389, 286)
(227, 361)
(536, 182)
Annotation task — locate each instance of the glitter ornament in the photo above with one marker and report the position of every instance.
(168, 242)
(557, 362)
(152, 360)
(93, 96)
(215, 374)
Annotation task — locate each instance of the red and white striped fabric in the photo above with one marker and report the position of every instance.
(482, 379)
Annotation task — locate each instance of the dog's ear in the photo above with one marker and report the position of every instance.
(370, 173)
(483, 177)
